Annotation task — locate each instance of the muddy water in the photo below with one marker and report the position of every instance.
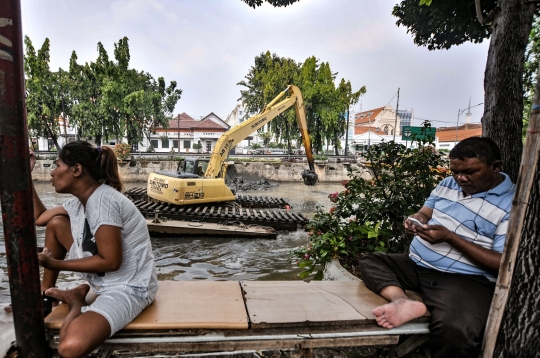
(212, 258)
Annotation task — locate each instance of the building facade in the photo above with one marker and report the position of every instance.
(384, 119)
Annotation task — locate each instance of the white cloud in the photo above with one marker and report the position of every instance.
(208, 46)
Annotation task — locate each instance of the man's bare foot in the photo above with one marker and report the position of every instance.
(8, 308)
(398, 312)
(70, 297)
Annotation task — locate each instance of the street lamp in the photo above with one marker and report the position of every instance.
(460, 112)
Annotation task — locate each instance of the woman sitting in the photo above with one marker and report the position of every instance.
(108, 244)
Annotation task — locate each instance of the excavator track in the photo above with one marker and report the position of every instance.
(247, 210)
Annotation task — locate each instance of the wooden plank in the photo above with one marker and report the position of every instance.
(178, 227)
(274, 304)
(411, 344)
(184, 305)
(168, 345)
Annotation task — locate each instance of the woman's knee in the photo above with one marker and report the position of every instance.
(59, 227)
(72, 347)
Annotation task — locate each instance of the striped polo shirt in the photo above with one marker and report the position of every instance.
(481, 218)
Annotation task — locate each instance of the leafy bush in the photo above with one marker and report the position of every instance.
(368, 214)
(255, 146)
(320, 157)
(197, 146)
(122, 150)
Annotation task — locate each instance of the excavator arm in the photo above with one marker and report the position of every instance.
(217, 166)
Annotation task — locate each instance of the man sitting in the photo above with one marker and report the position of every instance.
(455, 255)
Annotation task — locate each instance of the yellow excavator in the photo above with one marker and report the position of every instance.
(190, 186)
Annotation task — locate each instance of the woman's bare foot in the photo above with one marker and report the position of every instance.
(398, 312)
(70, 297)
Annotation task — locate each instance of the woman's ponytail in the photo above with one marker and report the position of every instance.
(109, 168)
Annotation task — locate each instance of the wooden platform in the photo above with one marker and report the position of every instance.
(209, 316)
(188, 228)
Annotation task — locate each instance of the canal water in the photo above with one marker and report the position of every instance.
(212, 258)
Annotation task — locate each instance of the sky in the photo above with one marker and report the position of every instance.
(208, 46)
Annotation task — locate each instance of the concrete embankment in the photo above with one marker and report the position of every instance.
(281, 172)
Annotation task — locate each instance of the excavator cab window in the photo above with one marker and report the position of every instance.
(189, 166)
(203, 165)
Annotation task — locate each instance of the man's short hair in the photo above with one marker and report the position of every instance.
(482, 148)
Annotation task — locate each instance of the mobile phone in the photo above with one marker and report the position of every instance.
(415, 221)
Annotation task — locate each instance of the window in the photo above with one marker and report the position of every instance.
(112, 143)
(239, 113)
(165, 143)
(386, 129)
(154, 143)
(175, 143)
(208, 146)
(187, 144)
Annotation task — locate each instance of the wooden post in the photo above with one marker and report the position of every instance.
(16, 189)
(529, 161)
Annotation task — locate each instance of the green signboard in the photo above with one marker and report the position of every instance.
(418, 132)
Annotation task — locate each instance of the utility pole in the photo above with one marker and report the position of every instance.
(178, 133)
(347, 134)
(395, 121)
(16, 190)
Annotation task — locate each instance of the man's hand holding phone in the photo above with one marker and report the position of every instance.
(415, 221)
(411, 224)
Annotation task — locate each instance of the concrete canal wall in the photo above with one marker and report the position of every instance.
(281, 172)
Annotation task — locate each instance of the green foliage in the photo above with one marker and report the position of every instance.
(44, 93)
(197, 146)
(103, 98)
(320, 157)
(443, 24)
(325, 103)
(367, 216)
(266, 137)
(122, 150)
(276, 3)
(255, 146)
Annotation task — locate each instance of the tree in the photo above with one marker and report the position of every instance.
(266, 137)
(275, 3)
(325, 105)
(515, 306)
(103, 98)
(269, 76)
(197, 146)
(42, 92)
(508, 22)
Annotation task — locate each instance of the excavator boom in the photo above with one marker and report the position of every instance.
(218, 158)
(189, 188)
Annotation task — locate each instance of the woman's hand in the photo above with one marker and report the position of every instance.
(45, 258)
(33, 160)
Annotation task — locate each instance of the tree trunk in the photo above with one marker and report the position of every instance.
(518, 286)
(503, 82)
(519, 335)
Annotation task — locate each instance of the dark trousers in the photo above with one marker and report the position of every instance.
(459, 304)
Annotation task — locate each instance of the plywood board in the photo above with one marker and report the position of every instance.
(273, 304)
(184, 305)
(177, 227)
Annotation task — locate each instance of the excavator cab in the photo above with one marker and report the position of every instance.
(195, 166)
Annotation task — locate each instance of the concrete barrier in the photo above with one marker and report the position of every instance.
(139, 170)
